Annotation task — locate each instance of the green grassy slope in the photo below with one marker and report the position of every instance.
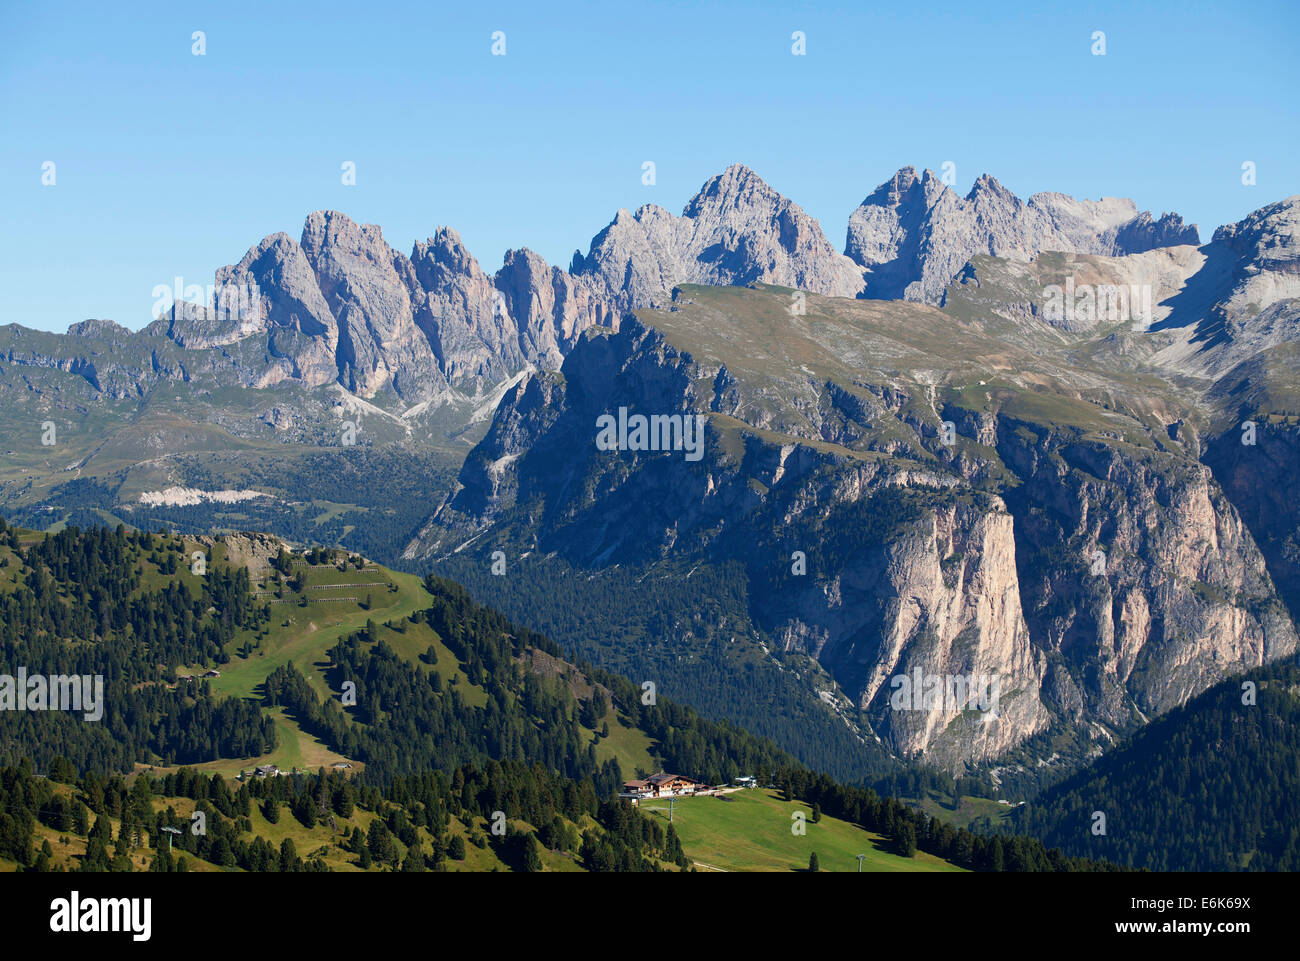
(753, 830)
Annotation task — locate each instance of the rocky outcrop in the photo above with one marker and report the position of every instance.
(342, 306)
(914, 233)
(736, 230)
(253, 550)
(1138, 575)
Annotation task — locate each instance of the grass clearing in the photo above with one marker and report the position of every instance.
(751, 831)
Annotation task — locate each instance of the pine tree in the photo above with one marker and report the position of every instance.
(289, 856)
(96, 859)
(304, 809)
(813, 866)
(906, 841)
(532, 859)
(996, 855)
(414, 862)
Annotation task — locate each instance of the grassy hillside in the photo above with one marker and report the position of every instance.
(751, 830)
(331, 605)
(745, 831)
(323, 842)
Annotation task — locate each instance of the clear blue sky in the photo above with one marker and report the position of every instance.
(172, 164)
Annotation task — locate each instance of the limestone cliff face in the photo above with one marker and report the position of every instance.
(342, 306)
(1139, 577)
(1249, 475)
(941, 599)
(367, 287)
(550, 307)
(289, 309)
(458, 309)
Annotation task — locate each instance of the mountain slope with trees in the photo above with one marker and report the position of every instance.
(1211, 786)
(457, 711)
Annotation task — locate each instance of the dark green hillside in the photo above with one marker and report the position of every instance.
(124, 606)
(503, 817)
(1211, 786)
(689, 631)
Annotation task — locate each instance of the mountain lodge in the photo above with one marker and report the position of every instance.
(661, 785)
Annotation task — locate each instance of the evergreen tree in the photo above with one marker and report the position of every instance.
(289, 856)
(532, 859)
(414, 861)
(906, 841)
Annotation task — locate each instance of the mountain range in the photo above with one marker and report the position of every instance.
(950, 420)
(339, 305)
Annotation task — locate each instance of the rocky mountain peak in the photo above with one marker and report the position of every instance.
(95, 327)
(442, 257)
(912, 242)
(1244, 303)
(1271, 233)
(896, 188)
(906, 178)
(278, 243)
(987, 188)
(736, 186)
(736, 230)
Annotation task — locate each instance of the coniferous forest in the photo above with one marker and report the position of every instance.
(447, 756)
(1211, 786)
(80, 606)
